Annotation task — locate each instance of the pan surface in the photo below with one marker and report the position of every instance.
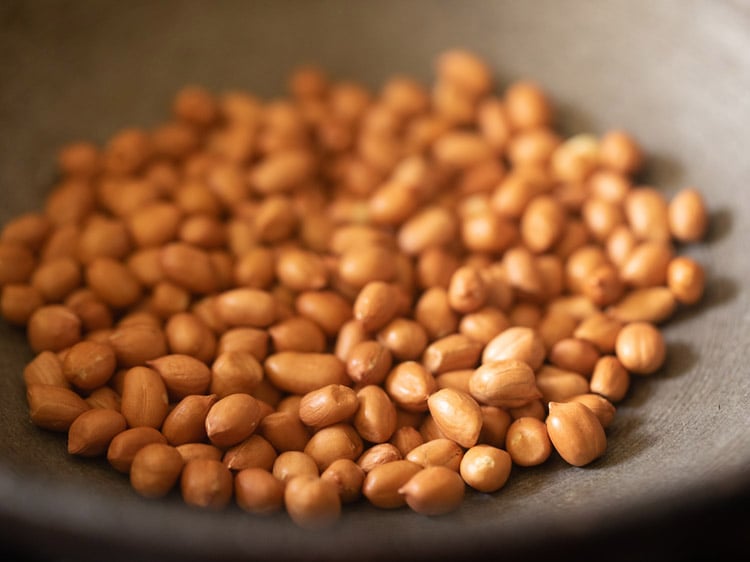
(676, 74)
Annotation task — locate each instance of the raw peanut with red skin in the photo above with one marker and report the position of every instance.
(246, 307)
(301, 270)
(686, 280)
(505, 383)
(125, 445)
(458, 379)
(451, 353)
(113, 283)
(646, 264)
(186, 334)
(253, 452)
(484, 324)
(258, 491)
(688, 217)
(328, 309)
(409, 385)
(485, 468)
(18, 302)
(434, 490)
(557, 384)
(104, 397)
(45, 368)
(91, 432)
(651, 304)
(300, 373)
(378, 454)
(437, 452)
(404, 338)
(144, 398)
(328, 405)
(375, 305)
(285, 431)
(520, 343)
(155, 470)
(53, 327)
(294, 463)
(368, 362)
(89, 365)
(640, 348)
(495, 423)
(54, 407)
(297, 334)
(348, 478)
(186, 421)
(610, 379)
(575, 355)
(206, 483)
(375, 418)
(601, 330)
(527, 442)
(17, 263)
(338, 441)
(232, 419)
(406, 438)
(311, 502)
(352, 333)
(190, 451)
(235, 371)
(647, 213)
(620, 151)
(602, 408)
(457, 415)
(382, 484)
(534, 409)
(575, 433)
(467, 291)
(56, 278)
(136, 343)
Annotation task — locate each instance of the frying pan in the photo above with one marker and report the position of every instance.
(676, 74)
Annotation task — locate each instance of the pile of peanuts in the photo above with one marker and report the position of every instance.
(344, 295)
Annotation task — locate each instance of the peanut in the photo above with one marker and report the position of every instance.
(575, 433)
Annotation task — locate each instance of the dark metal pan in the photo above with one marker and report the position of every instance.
(676, 74)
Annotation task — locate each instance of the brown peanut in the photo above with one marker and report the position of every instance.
(253, 452)
(258, 491)
(232, 419)
(92, 431)
(301, 373)
(575, 433)
(485, 468)
(505, 383)
(375, 418)
(311, 502)
(186, 421)
(348, 478)
(155, 470)
(328, 405)
(434, 490)
(382, 484)
(206, 483)
(124, 446)
(144, 398)
(457, 415)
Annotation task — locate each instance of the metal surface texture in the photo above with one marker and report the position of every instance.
(676, 74)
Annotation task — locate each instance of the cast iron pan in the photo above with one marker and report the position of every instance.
(675, 479)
